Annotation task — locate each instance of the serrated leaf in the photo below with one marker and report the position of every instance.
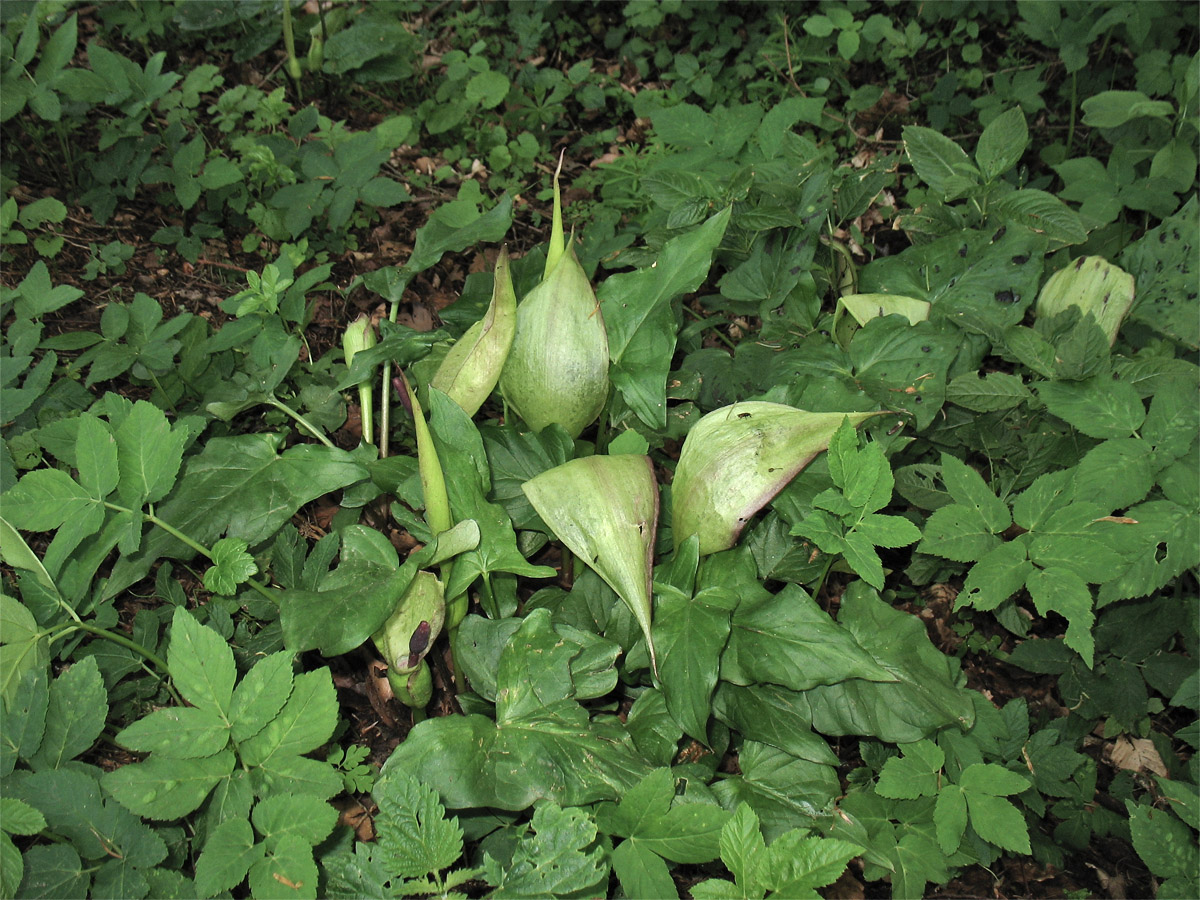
(559, 859)
(1064, 592)
(860, 555)
(75, 715)
(412, 828)
(232, 566)
(289, 870)
(998, 822)
(165, 787)
(782, 790)
(744, 851)
(994, 391)
(990, 778)
(149, 453)
(915, 774)
(260, 695)
(305, 722)
(201, 664)
(999, 574)
(799, 863)
(23, 720)
(642, 872)
(301, 815)
(1074, 538)
(950, 818)
(228, 854)
(96, 457)
(180, 731)
(23, 646)
(18, 817)
(939, 162)
(1116, 474)
(1100, 407)
(54, 871)
(1162, 841)
(44, 499)
(957, 532)
(967, 487)
(1002, 143)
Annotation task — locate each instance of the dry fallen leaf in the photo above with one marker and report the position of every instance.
(1135, 754)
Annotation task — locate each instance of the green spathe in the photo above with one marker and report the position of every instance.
(405, 638)
(1096, 286)
(605, 509)
(471, 369)
(864, 307)
(736, 459)
(557, 369)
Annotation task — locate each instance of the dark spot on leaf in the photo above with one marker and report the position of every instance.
(962, 251)
(925, 349)
(918, 399)
(1020, 260)
(743, 415)
(999, 233)
(1079, 263)
(794, 270)
(1007, 297)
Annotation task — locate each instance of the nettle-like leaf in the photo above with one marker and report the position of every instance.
(735, 459)
(232, 566)
(541, 744)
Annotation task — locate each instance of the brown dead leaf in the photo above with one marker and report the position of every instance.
(847, 887)
(1135, 754)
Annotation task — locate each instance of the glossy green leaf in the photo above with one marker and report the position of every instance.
(541, 744)
(605, 509)
(689, 635)
(167, 787)
(75, 715)
(641, 326)
(784, 791)
(242, 487)
(201, 664)
(771, 714)
(864, 307)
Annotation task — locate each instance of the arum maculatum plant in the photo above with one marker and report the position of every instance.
(605, 509)
(359, 336)
(735, 459)
(557, 369)
(471, 369)
(1093, 285)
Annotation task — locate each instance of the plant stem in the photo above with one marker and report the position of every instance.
(284, 408)
(1071, 126)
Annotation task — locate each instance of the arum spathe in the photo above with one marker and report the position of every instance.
(605, 509)
(557, 369)
(359, 335)
(735, 459)
(405, 638)
(471, 369)
(1096, 286)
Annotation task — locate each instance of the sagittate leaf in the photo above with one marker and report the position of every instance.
(925, 694)
(605, 509)
(241, 487)
(540, 745)
(642, 328)
(735, 459)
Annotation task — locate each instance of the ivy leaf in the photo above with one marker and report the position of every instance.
(641, 327)
(241, 487)
(232, 566)
(914, 774)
